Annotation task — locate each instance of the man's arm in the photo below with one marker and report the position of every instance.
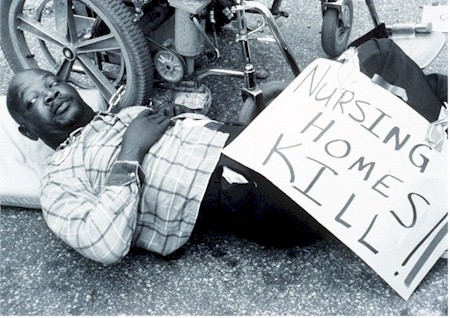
(100, 224)
(148, 124)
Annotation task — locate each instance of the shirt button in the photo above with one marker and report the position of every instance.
(132, 175)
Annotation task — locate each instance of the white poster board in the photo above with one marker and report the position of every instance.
(355, 157)
(437, 16)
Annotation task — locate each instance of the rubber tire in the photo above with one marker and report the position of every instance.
(270, 91)
(334, 35)
(115, 14)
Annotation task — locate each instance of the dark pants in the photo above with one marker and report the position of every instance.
(258, 210)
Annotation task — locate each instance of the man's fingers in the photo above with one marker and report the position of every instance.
(144, 113)
(158, 118)
(161, 120)
(169, 111)
(167, 122)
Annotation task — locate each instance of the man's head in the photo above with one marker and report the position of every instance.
(46, 107)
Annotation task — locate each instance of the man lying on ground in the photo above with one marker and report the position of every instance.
(150, 179)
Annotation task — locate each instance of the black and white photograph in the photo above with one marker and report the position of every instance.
(224, 158)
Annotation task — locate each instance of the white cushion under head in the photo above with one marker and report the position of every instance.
(22, 160)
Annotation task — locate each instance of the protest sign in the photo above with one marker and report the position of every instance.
(355, 157)
(437, 16)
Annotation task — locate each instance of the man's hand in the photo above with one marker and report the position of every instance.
(171, 110)
(142, 133)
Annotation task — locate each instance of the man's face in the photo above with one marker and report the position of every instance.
(47, 105)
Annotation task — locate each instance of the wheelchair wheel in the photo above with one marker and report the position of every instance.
(270, 91)
(336, 28)
(90, 43)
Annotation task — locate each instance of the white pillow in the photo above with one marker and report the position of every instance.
(22, 160)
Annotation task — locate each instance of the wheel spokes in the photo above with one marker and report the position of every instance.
(71, 26)
(102, 43)
(38, 30)
(65, 69)
(106, 88)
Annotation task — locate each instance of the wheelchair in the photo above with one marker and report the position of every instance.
(119, 47)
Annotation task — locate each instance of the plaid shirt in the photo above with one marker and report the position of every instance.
(100, 207)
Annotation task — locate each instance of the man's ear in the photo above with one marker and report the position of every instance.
(27, 133)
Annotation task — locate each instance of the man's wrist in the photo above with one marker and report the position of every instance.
(130, 155)
(124, 172)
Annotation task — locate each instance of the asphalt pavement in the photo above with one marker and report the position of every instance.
(216, 274)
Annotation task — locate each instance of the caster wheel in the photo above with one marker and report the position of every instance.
(170, 66)
(336, 29)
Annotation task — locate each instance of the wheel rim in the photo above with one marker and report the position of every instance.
(169, 66)
(344, 24)
(346, 17)
(76, 54)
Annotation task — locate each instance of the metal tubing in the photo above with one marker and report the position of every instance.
(373, 12)
(201, 31)
(250, 76)
(243, 31)
(217, 71)
(261, 8)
